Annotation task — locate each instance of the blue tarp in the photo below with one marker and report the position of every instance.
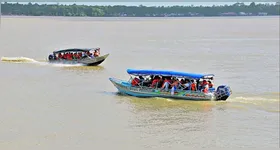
(167, 73)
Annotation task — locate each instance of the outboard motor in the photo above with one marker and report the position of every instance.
(223, 92)
(51, 57)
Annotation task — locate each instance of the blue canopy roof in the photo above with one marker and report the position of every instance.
(168, 73)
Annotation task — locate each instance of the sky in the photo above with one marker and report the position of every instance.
(145, 3)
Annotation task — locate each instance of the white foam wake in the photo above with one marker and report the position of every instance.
(18, 59)
(30, 60)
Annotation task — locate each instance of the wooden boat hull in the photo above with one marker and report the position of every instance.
(84, 61)
(125, 88)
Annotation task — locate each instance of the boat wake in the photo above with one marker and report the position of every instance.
(268, 103)
(19, 60)
(33, 61)
(255, 100)
(272, 97)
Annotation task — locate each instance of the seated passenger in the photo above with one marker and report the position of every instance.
(182, 81)
(141, 78)
(64, 56)
(88, 53)
(210, 84)
(73, 56)
(59, 56)
(187, 85)
(80, 55)
(199, 86)
(160, 82)
(96, 53)
(135, 81)
(155, 81)
(70, 57)
(84, 54)
(166, 83)
(205, 88)
(175, 84)
(193, 85)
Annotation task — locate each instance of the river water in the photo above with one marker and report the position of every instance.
(47, 106)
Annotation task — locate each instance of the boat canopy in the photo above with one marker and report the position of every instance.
(169, 73)
(75, 50)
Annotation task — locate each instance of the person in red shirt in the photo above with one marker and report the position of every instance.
(155, 81)
(135, 82)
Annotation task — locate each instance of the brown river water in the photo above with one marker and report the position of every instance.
(46, 106)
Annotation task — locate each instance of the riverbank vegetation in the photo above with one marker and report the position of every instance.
(237, 9)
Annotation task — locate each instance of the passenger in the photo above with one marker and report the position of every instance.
(160, 82)
(91, 55)
(149, 80)
(175, 84)
(69, 56)
(72, 56)
(155, 81)
(59, 56)
(76, 56)
(166, 84)
(182, 81)
(64, 56)
(204, 82)
(135, 81)
(199, 86)
(193, 85)
(205, 87)
(88, 53)
(210, 84)
(187, 85)
(83, 54)
(96, 53)
(141, 79)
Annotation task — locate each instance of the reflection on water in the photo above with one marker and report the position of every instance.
(158, 104)
(83, 68)
(269, 103)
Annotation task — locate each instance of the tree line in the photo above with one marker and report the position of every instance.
(137, 11)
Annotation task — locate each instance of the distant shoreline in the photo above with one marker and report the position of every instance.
(237, 9)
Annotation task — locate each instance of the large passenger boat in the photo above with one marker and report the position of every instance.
(171, 84)
(85, 56)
